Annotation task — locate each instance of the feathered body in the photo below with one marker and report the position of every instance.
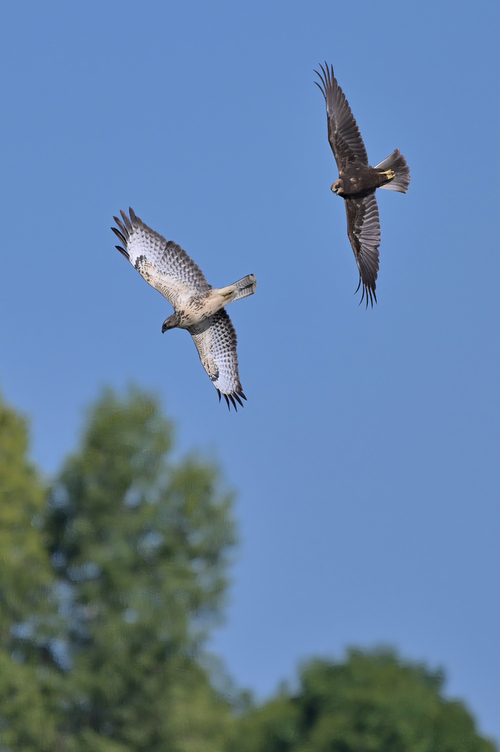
(357, 181)
(197, 307)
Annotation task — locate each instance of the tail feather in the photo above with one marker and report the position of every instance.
(244, 287)
(396, 162)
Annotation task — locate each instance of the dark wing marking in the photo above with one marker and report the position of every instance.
(363, 229)
(343, 132)
(215, 340)
(163, 264)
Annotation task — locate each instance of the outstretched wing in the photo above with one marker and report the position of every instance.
(363, 228)
(343, 132)
(215, 340)
(163, 264)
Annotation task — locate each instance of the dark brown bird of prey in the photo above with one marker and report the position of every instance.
(358, 181)
(197, 307)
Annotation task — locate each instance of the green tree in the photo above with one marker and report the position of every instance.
(29, 714)
(372, 702)
(141, 549)
(108, 592)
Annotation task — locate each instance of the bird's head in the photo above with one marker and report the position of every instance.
(170, 323)
(338, 187)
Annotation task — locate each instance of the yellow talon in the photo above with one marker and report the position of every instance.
(389, 173)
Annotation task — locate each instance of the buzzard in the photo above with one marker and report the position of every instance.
(358, 181)
(197, 307)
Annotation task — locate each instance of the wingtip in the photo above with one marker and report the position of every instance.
(368, 294)
(123, 252)
(128, 223)
(122, 235)
(232, 399)
(119, 234)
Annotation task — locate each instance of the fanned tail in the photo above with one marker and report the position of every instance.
(397, 163)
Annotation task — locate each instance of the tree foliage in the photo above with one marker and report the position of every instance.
(141, 546)
(25, 570)
(109, 585)
(28, 628)
(371, 702)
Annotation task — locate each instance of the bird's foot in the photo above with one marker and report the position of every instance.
(389, 174)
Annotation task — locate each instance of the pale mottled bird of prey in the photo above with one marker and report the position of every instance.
(197, 307)
(358, 181)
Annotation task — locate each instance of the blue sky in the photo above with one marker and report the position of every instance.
(366, 461)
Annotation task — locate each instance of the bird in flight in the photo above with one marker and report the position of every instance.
(197, 307)
(357, 181)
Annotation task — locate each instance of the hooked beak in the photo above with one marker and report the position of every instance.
(336, 187)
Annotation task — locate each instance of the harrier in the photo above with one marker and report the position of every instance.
(358, 181)
(197, 307)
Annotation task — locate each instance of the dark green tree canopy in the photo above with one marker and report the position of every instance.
(28, 616)
(25, 572)
(140, 545)
(109, 588)
(131, 532)
(371, 702)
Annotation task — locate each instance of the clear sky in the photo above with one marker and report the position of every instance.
(366, 461)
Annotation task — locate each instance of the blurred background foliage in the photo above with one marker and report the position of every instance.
(111, 578)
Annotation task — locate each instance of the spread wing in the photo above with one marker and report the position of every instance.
(363, 228)
(163, 264)
(343, 132)
(215, 340)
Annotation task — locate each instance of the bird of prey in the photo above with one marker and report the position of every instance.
(197, 307)
(358, 181)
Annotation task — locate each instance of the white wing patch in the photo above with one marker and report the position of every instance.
(163, 264)
(215, 340)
